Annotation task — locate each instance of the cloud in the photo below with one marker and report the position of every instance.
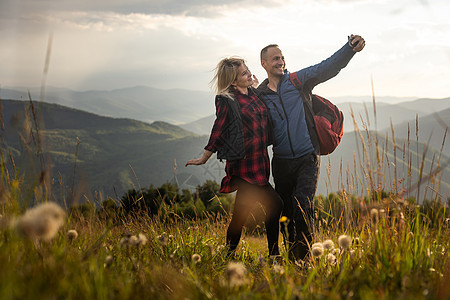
(204, 8)
(109, 44)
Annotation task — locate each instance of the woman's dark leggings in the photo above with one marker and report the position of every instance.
(246, 197)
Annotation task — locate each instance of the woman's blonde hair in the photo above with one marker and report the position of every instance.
(226, 74)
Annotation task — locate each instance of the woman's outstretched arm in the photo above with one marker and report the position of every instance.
(200, 161)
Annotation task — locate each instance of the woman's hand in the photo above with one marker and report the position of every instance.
(255, 82)
(200, 161)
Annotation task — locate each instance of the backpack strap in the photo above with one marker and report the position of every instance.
(309, 112)
(293, 77)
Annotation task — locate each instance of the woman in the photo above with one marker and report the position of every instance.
(241, 135)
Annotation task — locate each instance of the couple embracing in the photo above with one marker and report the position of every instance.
(248, 120)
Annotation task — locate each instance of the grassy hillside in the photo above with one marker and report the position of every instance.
(107, 155)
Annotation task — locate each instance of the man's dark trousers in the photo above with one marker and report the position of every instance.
(296, 182)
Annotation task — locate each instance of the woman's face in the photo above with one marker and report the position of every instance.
(244, 77)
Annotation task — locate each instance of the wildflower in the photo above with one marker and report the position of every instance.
(317, 249)
(317, 245)
(124, 242)
(236, 273)
(336, 251)
(352, 253)
(283, 219)
(133, 240)
(142, 239)
(196, 258)
(374, 215)
(108, 261)
(328, 245)
(344, 241)
(41, 222)
(278, 269)
(72, 234)
(163, 239)
(331, 259)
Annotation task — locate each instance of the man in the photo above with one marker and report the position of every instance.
(295, 163)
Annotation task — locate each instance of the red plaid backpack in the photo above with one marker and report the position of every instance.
(328, 119)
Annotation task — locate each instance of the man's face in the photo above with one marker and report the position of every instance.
(274, 63)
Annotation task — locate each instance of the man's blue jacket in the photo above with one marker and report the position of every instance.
(291, 137)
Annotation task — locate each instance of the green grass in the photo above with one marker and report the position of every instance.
(394, 258)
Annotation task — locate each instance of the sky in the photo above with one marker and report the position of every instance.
(167, 44)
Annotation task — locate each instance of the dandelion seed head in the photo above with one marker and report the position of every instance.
(196, 258)
(344, 241)
(124, 242)
(374, 215)
(142, 239)
(108, 261)
(278, 269)
(336, 251)
(133, 240)
(41, 222)
(328, 245)
(72, 234)
(236, 273)
(331, 258)
(352, 253)
(163, 239)
(317, 245)
(317, 251)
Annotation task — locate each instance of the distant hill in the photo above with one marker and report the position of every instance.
(201, 126)
(186, 107)
(139, 103)
(364, 115)
(113, 155)
(339, 168)
(431, 129)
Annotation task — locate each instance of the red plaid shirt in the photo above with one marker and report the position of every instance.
(255, 166)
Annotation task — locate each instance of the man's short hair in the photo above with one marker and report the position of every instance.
(265, 49)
